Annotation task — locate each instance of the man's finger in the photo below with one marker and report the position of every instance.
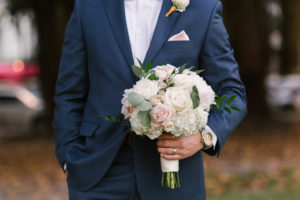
(167, 136)
(173, 157)
(169, 144)
(170, 151)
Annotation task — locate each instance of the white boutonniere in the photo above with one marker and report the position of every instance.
(178, 5)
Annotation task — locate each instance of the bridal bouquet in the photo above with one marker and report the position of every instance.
(173, 100)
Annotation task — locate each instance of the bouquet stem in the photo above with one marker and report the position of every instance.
(170, 180)
(170, 176)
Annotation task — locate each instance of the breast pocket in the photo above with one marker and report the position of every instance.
(190, 44)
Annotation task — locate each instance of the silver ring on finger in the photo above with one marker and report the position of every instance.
(174, 151)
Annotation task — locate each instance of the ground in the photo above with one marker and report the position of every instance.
(258, 162)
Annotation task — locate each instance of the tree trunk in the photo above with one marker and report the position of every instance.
(290, 51)
(246, 24)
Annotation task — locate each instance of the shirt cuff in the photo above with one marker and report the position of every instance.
(214, 137)
(65, 167)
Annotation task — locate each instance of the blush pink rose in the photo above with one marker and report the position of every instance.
(162, 113)
(127, 108)
(155, 125)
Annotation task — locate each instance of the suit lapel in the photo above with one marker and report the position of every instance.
(163, 27)
(116, 13)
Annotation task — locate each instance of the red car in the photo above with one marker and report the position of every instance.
(20, 103)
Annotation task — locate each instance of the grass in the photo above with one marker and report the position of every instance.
(272, 194)
(279, 185)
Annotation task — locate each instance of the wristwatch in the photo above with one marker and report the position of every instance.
(206, 139)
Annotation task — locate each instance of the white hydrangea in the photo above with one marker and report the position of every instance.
(190, 122)
(206, 93)
(140, 129)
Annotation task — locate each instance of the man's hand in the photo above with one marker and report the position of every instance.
(185, 146)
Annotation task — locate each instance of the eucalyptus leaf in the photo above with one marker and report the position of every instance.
(135, 99)
(145, 118)
(144, 106)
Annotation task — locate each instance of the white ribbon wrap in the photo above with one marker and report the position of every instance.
(169, 165)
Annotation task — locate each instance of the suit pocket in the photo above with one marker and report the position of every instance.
(88, 129)
(180, 44)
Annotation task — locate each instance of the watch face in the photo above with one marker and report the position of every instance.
(207, 138)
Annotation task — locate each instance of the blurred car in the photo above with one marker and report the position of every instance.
(283, 94)
(21, 105)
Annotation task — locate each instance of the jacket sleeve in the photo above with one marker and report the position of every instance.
(71, 88)
(222, 73)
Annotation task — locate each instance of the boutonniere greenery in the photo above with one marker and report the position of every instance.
(178, 5)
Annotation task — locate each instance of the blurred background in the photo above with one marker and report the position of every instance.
(259, 161)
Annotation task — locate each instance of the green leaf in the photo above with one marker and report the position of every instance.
(199, 71)
(174, 71)
(144, 117)
(161, 64)
(221, 100)
(171, 85)
(112, 118)
(144, 106)
(141, 64)
(135, 99)
(148, 66)
(153, 77)
(227, 109)
(191, 68)
(235, 108)
(139, 72)
(181, 69)
(195, 97)
(195, 89)
(231, 99)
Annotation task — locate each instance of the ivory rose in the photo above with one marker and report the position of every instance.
(146, 88)
(178, 98)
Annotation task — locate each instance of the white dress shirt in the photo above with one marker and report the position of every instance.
(141, 20)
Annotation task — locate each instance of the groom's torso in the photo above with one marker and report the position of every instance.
(109, 60)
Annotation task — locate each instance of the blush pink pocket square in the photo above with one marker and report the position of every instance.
(182, 36)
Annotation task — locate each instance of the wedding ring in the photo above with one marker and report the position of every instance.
(174, 151)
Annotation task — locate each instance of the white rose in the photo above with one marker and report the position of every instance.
(181, 4)
(146, 88)
(183, 81)
(178, 98)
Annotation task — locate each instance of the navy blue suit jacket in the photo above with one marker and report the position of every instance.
(95, 69)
